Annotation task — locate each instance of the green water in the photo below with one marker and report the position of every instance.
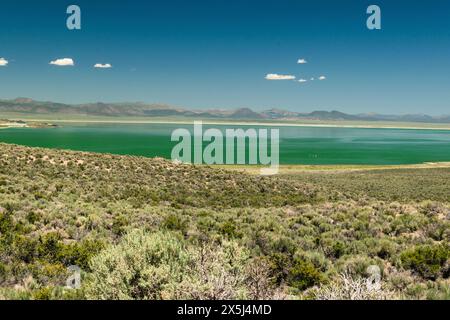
(298, 145)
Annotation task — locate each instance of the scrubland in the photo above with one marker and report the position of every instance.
(150, 229)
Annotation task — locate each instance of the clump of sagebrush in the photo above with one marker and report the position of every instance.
(429, 261)
(162, 265)
(141, 266)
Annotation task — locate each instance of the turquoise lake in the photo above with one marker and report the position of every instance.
(298, 145)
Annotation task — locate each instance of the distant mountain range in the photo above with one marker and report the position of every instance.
(30, 106)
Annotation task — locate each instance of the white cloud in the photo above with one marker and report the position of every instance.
(274, 76)
(312, 79)
(322, 78)
(103, 66)
(3, 62)
(301, 61)
(302, 80)
(63, 62)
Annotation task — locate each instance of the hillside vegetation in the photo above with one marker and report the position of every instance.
(150, 229)
(406, 185)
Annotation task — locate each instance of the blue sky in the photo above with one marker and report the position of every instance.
(216, 54)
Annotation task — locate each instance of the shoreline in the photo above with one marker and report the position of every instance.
(283, 168)
(333, 168)
(29, 124)
(240, 123)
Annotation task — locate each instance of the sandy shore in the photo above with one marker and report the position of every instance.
(253, 123)
(299, 168)
(5, 125)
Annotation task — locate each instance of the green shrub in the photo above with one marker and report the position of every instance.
(174, 222)
(303, 275)
(385, 249)
(162, 265)
(44, 293)
(229, 229)
(49, 246)
(141, 266)
(338, 249)
(24, 248)
(32, 217)
(427, 260)
(119, 225)
(6, 222)
(79, 253)
(439, 231)
(280, 263)
(3, 272)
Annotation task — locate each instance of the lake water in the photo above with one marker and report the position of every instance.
(298, 145)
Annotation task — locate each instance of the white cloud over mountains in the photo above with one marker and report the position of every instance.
(64, 62)
(274, 76)
(3, 62)
(103, 66)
